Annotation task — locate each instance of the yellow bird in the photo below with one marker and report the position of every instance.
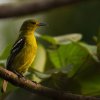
(23, 51)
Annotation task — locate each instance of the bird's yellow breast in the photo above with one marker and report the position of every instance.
(26, 56)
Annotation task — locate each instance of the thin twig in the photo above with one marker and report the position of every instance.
(39, 89)
(15, 10)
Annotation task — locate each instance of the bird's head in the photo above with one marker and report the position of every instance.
(30, 25)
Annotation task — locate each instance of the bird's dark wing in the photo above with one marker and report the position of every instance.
(14, 51)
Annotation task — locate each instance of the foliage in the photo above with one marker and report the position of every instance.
(73, 65)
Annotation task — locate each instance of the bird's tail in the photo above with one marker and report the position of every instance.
(4, 86)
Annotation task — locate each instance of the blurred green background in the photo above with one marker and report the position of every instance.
(84, 18)
(81, 18)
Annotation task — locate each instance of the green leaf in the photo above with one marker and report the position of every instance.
(40, 59)
(6, 52)
(49, 39)
(41, 75)
(79, 62)
(61, 81)
(92, 49)
(65, 39)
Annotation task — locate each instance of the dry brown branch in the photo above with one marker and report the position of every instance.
(39, 89)
(15, 10)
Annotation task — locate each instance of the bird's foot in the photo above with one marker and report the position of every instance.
(34, 82)
(18, 74)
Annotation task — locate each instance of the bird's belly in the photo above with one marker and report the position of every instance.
(24, 59)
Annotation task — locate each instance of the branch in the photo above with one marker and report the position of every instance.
(15, 10)
(39, 89)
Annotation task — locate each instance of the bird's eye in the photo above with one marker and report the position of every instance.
(33, 22)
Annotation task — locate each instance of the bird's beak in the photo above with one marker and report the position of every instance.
(41, 24)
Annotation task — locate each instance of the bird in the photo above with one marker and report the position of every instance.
(23, 51)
